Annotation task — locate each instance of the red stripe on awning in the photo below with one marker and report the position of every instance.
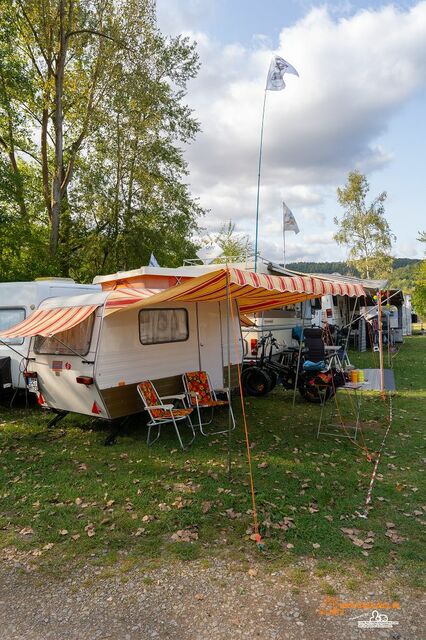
(47, 322)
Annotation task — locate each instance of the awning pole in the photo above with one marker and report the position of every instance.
(12, 349)
(228, 340)
(299, 355)
(350, 324)
(382, 373)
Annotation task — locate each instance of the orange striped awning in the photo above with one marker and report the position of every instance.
(253, 291)
(47, 322)
(125, 296)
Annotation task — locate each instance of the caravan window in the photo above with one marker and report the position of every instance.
(8, 318)
(157, 326)
(72, 341)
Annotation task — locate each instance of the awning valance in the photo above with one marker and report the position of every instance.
(46, 322)
(253, 291)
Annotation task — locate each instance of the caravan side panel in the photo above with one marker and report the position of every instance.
(123, 361)
(236, 349)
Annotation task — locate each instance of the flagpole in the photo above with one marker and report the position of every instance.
(258, 184)
(284, 234)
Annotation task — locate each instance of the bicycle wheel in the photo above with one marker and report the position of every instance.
(256, 382)
(274, 378)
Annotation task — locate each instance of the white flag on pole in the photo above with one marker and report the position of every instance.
(290, 223)
(277, 69)
(153, 261)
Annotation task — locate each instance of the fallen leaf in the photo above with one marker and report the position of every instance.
(232, 514)
(164, 507)
(252, 572)
(184, 535)
(207, 506)
(139, 531)
(357, 542)
(26, 531)
(90, 529)
(76, 536)
(63, 532)
(147, 518)
(316, 545)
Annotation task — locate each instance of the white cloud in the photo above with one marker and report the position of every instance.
(356, 72)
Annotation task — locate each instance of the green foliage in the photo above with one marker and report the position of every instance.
(234, 248)
(363, 228)
(109, 125)
(419, 293)
(323, 267)
(402, 276)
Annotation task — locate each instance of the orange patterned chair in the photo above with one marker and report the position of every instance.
(161, 413)
(201, 395)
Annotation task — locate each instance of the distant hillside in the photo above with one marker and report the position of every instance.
(343, 267)
(403, 275)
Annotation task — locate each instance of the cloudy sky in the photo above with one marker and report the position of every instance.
(360, 102)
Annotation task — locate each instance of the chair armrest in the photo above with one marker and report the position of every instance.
(222, 390)
(159, 406)
(178, 396)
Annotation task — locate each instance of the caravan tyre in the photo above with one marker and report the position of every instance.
(256, 382)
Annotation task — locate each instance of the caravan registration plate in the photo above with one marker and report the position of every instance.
(32, 385)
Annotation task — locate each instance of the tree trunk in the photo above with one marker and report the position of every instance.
(59, 137)
(9, 147)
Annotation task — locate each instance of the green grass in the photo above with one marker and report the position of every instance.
(65, 479)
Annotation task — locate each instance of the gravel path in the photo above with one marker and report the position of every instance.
(187, 601)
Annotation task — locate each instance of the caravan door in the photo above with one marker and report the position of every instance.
(210, 342)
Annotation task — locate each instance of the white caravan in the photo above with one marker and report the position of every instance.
(94, 367)
(17, 301)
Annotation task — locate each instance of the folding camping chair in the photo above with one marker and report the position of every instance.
(161, 413)
(316, 351)
(200, 394)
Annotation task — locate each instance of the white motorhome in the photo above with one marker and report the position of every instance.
(17, 301)
(94, 367)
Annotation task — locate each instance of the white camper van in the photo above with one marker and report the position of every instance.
(94, 367)
(17, 301)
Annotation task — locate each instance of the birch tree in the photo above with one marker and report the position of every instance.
(363, 228)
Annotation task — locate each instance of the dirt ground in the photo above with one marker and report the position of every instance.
(195, 600)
